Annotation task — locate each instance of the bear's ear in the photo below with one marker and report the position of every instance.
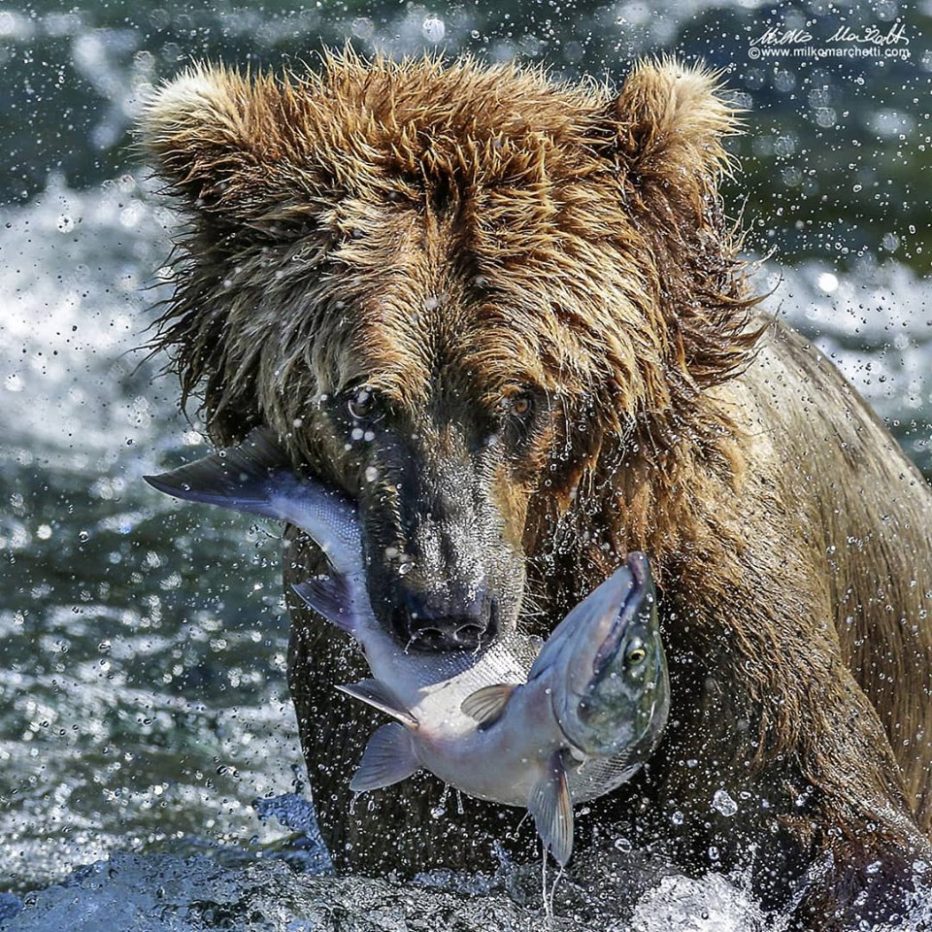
(670, 120)
(215, 134)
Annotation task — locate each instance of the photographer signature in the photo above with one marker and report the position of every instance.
(869, 35)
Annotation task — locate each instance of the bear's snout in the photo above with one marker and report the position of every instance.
(459, 621)
(441, 572)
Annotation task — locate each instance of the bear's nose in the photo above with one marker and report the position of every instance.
(430, 623)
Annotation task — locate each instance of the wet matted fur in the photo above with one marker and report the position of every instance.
(451, 237)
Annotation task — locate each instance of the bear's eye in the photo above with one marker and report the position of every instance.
(362, 403)
(520, 405)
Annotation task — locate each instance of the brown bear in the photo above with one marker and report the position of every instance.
(508, 316)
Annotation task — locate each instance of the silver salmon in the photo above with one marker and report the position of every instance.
(542, 729)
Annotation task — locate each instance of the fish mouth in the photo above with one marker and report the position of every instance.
(640, 568)
(639, 594)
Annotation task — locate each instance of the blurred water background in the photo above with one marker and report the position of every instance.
(143, 704)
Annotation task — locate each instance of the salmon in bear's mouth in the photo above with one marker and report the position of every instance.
(564, 725)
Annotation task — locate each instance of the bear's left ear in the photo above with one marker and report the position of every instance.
(670, 120)
(220, 138)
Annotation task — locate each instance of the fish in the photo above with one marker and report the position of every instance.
(515, 723)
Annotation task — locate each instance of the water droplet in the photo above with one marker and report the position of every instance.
(65, 224)
(405, 568)
(827, 282)
(434, 29)
(677, 818)
(440, 810)
(723, 803)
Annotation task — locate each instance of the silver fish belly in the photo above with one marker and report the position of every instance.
(563, 723)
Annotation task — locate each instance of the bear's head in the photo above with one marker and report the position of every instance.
(471, 296)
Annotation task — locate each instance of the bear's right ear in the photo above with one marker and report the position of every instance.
(215, 135)
(670, 121)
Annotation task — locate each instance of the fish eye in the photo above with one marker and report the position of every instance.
(635, 656)
(362, 403)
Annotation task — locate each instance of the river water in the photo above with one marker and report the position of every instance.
(143, 704)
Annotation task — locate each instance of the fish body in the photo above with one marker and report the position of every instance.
(512, 723)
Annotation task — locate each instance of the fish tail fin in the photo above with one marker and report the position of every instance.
(389, 758)
(242, 478)
(550, 805)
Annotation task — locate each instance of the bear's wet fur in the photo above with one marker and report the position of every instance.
(449, 237)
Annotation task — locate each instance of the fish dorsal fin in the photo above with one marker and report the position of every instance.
(388, 758)
(329, 596)
(486, 705)
(550, 804)
(377, 694)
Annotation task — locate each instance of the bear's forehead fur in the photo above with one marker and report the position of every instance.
(393, 223)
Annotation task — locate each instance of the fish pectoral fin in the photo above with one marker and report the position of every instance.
(486, 705)
(329, 596)
(380, 696)
(550, 804)
(388, 758)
